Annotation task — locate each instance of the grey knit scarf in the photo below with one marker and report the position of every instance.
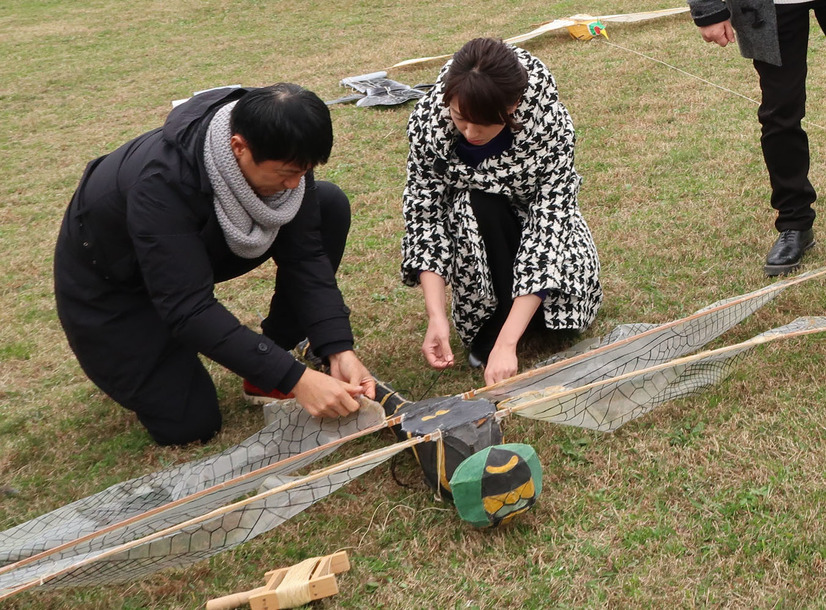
(250, 223)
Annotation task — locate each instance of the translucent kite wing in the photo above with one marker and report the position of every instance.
(607, 404)
(635, 17)
(621, 353)
(550, 26)
(126, 511)
(201, 536)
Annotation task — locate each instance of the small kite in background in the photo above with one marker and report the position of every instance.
(580, 27)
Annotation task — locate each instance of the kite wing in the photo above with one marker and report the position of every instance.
(636, 347)
(129, 510)
(606, 405)
(636, 17)
(202, 536)
(550, 26)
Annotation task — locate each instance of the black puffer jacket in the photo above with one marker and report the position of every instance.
(143, 217)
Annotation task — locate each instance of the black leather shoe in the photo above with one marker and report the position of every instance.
(787, 251)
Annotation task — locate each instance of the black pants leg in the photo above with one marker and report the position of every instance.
(784, 142)
(500, 232)
(282, 324)
(127, 351)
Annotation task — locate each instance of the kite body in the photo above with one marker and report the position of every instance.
(587, 29)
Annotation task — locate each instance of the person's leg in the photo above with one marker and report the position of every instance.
(128, 352)
(335, 220)
(500, 232)
(784, 142)
(282, 324)
(183, 381)
(820, 14)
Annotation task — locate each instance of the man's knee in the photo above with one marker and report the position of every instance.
(190, 430)
(335, 220)
(181, 407)
(334, 203)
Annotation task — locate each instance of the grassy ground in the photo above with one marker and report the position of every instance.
(715, 501)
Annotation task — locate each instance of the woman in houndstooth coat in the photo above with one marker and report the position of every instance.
(490, 209)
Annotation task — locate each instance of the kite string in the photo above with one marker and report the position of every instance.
(430, 387)
(699, 78)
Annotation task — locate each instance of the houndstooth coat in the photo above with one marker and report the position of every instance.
(556, 251)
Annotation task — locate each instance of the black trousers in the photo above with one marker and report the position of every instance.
(282, 324)
(501, 233)
(127, 350)
(784, 142)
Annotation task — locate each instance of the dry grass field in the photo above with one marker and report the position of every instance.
(714, 501)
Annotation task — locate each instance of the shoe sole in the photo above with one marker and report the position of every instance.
(775, 270)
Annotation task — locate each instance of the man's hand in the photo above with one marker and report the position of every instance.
(334, 395)
(348, 368)
(722, 33)
(324, 396)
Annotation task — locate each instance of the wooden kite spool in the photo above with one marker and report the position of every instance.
(291, 587)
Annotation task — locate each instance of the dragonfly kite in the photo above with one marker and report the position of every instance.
(192, 511)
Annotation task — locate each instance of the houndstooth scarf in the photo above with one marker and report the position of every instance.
(250, 223)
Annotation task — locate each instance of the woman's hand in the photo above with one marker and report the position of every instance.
(502, 363)
(436, 346)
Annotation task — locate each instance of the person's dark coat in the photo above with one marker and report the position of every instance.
(142, 226)
(755, 22)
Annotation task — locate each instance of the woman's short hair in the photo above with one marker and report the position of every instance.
(284, 122)
(486, 79)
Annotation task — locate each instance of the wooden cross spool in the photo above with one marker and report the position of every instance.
(291, 587)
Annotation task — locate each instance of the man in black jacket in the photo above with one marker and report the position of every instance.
(223, 186)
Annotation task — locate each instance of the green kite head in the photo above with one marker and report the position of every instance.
(497, 483)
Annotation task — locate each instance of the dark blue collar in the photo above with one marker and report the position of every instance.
(474, 155)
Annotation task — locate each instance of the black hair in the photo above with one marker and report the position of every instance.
(486, 78)
(284, 122)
